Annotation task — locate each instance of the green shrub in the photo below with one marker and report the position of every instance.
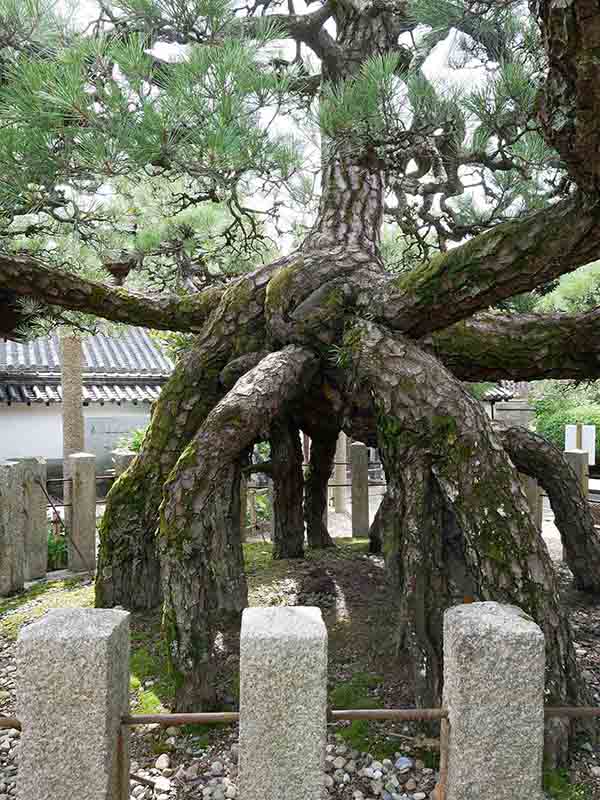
(558, 785)
(57, 550)
(133, 439)
(551, 420)
(264, 506)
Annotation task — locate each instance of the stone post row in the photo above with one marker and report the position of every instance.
(72, 685)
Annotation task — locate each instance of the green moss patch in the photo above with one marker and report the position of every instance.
(558, 785)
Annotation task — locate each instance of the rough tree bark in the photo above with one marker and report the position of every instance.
(419, 404)
(322, 454)
(288, 487)
(376, 529)
(128, 562)
(201, 555)
(533, 455)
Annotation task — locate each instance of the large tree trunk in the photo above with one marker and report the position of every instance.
(200, 547)
(128, 565)
(412, 520)
(205, 590)
(322, 454)
(420, 406)
(288, 488)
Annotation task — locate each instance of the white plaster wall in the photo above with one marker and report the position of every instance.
(36, 430)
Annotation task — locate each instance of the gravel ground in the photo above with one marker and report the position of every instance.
(353, 596)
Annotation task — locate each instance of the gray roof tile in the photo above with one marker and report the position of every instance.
(131, 353)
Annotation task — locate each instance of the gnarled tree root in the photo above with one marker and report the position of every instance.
(421, 408)
(201, 554)
(535, 456)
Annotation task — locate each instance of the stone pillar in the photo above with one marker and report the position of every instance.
(122, 459)
(36, 519)
(340, 475)
(72, 688)
(243, 508)
(514, 412)
(283, 703)
(12, 529)
(578, 459)
(359, 458)
(251, 494)
(82, 536)
(494, 692)
(534, 498)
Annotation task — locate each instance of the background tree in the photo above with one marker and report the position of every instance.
(493, 200)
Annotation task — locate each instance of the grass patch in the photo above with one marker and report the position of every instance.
(258, 556)
(151, 681)
(361, 734)
(33, 604)
(558, 786)
(355, 692)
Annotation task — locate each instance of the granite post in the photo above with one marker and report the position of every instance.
(283, 701)
(579, 462)
(339, 475)
(578, 459)
(12, 529)
(534, 499)
(72, 689)
(494, 692)
(359, 457)
(36, 519)
(122, 459)
(82, 536)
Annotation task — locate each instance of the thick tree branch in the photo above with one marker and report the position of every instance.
(200, 517)
(521, 348)
(511, 258)
(423, 412)
(308, 29)
(26, 277)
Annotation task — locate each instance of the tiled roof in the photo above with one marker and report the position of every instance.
(505, 390)
(100, 393)
(133, 353)
(126, 368)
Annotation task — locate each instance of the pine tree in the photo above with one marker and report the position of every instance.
(493, 191)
